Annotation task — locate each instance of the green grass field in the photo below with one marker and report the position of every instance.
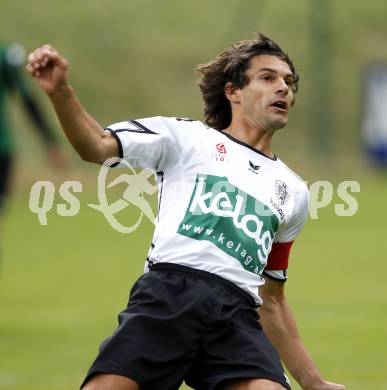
(62, 285)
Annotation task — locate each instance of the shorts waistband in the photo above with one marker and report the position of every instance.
(236, 290)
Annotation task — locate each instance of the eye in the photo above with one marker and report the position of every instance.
(289, 82)
(267, 77)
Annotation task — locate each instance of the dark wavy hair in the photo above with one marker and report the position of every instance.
(231, 66)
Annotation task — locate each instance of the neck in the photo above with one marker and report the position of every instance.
(254, 136)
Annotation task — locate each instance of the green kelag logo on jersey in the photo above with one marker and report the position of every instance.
(237, 223)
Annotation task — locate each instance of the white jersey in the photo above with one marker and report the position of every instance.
(224, 207)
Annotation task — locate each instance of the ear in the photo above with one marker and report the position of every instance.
(232, 93)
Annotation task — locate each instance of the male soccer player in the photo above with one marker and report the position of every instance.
(229, 211)
(12, 80)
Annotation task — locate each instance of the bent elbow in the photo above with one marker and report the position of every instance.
(98, 152)
(91, 158)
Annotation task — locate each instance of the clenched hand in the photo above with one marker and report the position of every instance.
(49, 69)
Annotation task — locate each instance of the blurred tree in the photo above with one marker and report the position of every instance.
(321, 78)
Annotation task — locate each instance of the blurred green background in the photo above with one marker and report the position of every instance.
(61, 285)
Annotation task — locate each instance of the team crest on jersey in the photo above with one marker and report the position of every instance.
(281, 191)
(221, 148)
(221, 152)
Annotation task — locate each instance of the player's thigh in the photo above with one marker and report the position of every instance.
(111, 382)
(250, 384)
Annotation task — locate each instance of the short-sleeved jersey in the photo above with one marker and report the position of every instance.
(224, 207)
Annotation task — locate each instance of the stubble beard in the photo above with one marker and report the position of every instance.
(272, 125)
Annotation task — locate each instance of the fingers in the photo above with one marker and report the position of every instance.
(333, 386)
(42, 57)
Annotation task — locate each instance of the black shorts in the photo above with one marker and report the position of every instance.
(5, 169)
(182, 324)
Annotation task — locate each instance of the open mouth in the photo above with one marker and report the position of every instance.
(280, 104)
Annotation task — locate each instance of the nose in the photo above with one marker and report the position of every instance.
(282, 87)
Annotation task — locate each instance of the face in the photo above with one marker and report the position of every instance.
(265, 101)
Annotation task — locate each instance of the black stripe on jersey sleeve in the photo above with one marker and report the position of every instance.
(161, 175)
(142, 127)
(120, 150)
(133, 131)
(273, 278)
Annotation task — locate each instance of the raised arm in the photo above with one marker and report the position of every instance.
(50, 70)
(280, 326)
